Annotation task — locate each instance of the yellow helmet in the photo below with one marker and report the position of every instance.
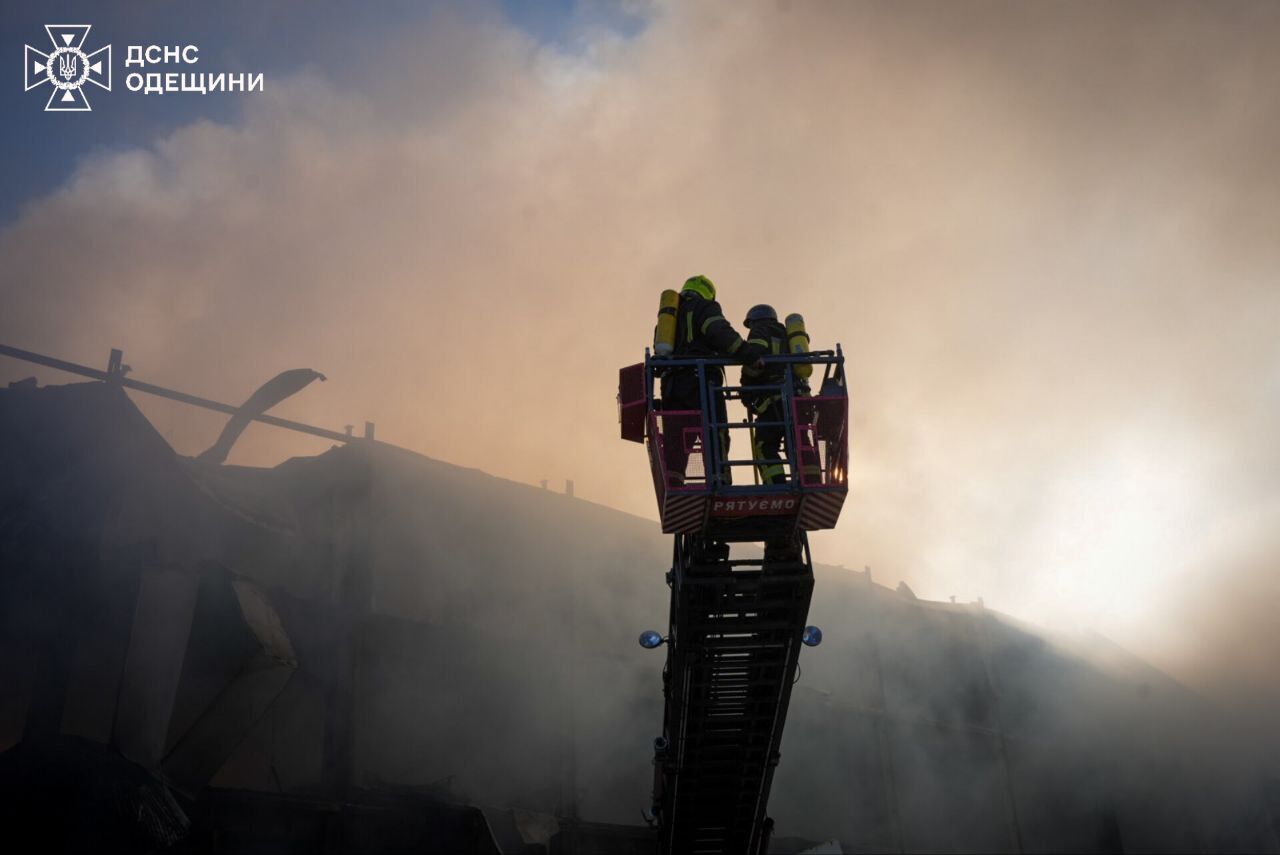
(701, 286)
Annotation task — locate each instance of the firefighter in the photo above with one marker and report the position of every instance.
(700, 331)
(765, 405)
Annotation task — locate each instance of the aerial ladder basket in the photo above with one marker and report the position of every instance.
(701, 491)
(736, 625)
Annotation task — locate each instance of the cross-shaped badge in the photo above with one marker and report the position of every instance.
(68, 67)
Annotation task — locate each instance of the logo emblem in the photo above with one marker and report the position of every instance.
(68, 67)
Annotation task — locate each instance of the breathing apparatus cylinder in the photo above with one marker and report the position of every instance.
(798, 343)
(664, 334)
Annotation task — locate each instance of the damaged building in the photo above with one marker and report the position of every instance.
(372, 651)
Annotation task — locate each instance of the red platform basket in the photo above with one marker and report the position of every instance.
(691, 500)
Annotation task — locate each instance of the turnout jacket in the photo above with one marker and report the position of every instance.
(701, 330)
(770, 337)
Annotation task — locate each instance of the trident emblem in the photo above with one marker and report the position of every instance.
(67, 65)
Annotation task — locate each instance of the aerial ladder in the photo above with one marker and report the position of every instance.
(736, 624)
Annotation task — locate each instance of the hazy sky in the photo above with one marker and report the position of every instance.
(1046, 235)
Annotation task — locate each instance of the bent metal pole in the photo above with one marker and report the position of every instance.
(171, 394)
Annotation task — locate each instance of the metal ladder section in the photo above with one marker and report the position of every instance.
(734, 641)
(721, 465)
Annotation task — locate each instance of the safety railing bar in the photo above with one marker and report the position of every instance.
(716, 434)
(745, 424)
(815, 357)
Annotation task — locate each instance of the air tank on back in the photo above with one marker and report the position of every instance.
(664, 334)
(798, 343)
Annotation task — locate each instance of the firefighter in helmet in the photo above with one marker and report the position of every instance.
(765, 405)
(700, 331)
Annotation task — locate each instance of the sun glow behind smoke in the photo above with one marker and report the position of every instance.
(1031, 227)
(1118, 539)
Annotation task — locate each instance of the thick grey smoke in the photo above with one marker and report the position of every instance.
(1044, 234)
